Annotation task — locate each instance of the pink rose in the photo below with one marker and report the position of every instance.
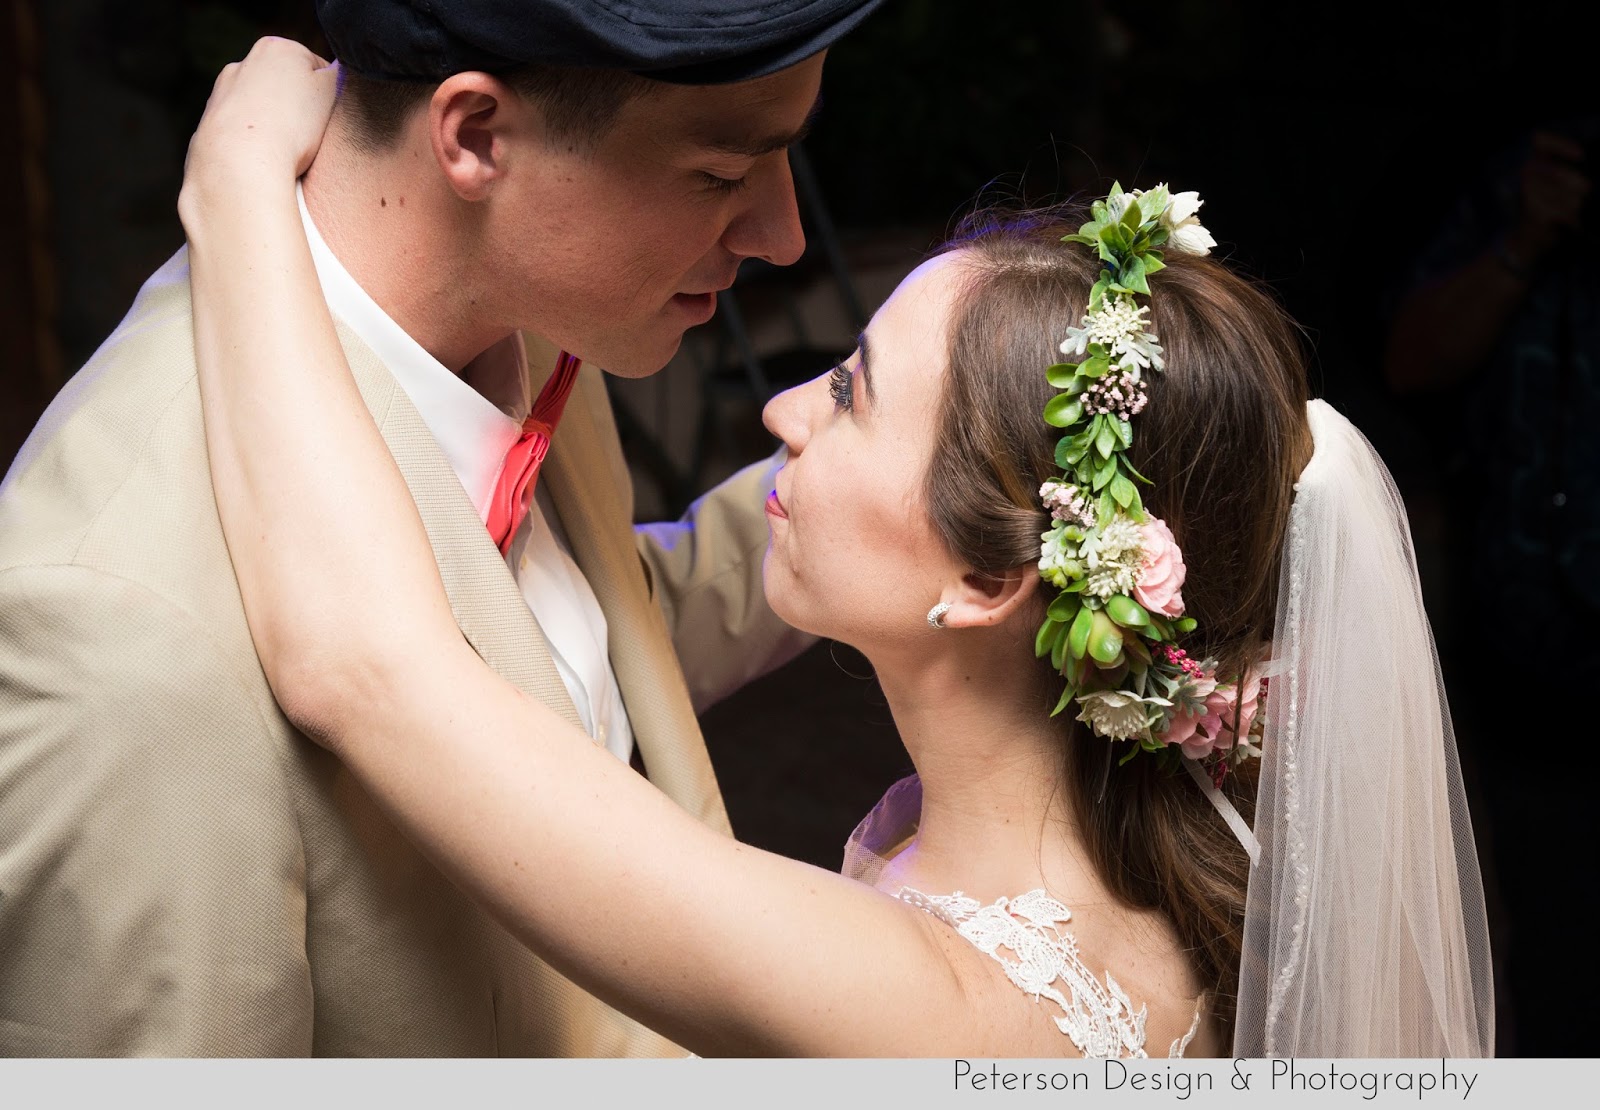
(1211, 728)
(1160, 584)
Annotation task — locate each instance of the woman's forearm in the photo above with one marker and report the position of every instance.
(722, 947)
(278, 400)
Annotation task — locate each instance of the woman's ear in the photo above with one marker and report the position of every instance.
(469, 120)
(985, 600)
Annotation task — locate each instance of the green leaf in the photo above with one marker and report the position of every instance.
(1132, 217)
(1105, 640)
(1128, 466)
(1062, 375)
(1159, 236)
(1064, 608)
(1133, 751)
(1124, 431)
(1122, 491)
(1152, 262)
(1187, 624)
(1103, 475)
(1080, 237)
(1127, 612)
(1066, 699)
(1076, 587)
(1058, 648)
(1068, 451)
(1136, 506)
(1098, 292)
(1105, 440)
(1063, 411)
(1045, 637)
(1078, 634)
(1132, 276)
(1105, 510)
(1095, 366)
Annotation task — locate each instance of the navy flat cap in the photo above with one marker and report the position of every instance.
(694, 42)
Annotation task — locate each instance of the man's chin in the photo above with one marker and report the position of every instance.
(643, 361)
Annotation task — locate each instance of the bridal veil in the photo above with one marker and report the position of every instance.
(1365, 932)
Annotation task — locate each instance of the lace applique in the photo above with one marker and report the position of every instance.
(1026, 936)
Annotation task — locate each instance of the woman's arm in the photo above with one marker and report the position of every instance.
(722, 947)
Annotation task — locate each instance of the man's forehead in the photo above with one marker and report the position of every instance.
(749, 118)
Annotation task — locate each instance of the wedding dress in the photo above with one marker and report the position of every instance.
(1026, 935)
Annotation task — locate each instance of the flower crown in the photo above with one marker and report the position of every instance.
(1112, 630)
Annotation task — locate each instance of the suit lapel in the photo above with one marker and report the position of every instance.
(582, 480)
(483, 595)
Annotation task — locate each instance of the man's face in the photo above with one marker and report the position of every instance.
(612, 253)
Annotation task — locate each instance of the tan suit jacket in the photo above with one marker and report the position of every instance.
(181, 873)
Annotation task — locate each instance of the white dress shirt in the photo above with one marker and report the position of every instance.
(474, 432)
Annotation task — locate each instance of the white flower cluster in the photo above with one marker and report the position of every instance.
(1119, 324)
(1059, 564)
(1113, 557)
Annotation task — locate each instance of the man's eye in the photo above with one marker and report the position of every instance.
(840, 382)
(723, 184)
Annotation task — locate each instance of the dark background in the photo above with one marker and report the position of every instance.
(1329, 141)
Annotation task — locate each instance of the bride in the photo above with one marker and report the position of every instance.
(1223, 613)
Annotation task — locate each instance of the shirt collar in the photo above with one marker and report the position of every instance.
(471, 431)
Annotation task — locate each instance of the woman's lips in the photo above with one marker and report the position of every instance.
(775, 507)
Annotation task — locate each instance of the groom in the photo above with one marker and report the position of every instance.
(180, 872)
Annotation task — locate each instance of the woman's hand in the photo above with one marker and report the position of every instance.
(260, 130)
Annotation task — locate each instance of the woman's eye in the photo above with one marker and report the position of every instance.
(724, 184)
(840, 384)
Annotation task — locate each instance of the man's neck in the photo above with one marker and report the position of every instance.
(383, 217)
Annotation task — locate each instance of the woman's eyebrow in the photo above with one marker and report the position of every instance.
(866, 368)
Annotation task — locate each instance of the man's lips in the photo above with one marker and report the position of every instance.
(775, 506)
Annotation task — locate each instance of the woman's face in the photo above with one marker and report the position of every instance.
(853, 554)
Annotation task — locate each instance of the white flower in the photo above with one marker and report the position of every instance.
(1192, 239)
(1116, 714)
(1182, 221)
(1114, 557)
(1181, 207)
(1119, 325)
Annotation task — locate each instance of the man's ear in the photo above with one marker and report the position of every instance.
(470, 117)
(983, 600)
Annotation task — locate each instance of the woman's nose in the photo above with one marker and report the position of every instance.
(784, 417)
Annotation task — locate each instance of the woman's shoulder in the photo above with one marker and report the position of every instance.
(1029, 938)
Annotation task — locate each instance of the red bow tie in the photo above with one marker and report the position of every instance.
(521, 470)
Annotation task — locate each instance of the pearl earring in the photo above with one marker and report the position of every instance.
(936, 614)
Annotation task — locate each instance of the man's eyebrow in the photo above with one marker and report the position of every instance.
(756, 146)
(866, 369)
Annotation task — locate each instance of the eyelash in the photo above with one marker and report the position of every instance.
(724, 184)
(841, 384)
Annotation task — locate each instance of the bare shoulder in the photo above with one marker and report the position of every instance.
(1031, 987)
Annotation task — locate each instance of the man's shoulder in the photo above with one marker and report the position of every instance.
(134, 398)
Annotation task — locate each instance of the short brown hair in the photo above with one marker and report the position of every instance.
(579, 104)
(1223, 438)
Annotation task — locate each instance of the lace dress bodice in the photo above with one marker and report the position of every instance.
(1026, 935)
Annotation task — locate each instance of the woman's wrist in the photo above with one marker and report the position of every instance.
(213, 198)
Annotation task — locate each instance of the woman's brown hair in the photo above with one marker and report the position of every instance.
(1223, 439)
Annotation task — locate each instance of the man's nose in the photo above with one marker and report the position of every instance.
(769, 229)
